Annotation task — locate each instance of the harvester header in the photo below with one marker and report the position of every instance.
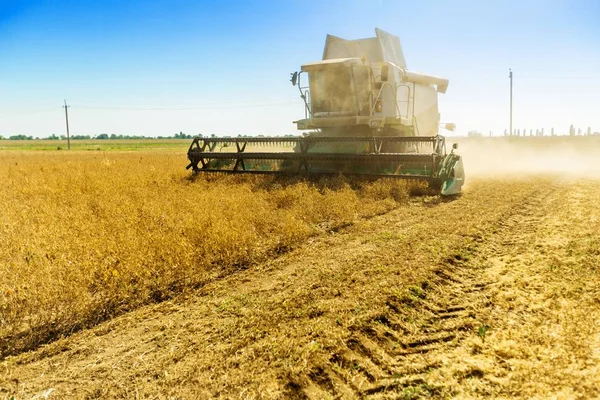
(364, 114)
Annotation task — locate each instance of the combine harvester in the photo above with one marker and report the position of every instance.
(365, 114)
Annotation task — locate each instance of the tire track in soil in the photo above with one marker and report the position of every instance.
(386, 358)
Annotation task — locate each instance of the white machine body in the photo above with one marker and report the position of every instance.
(364, 87)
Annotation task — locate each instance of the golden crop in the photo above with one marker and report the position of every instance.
(87, 235)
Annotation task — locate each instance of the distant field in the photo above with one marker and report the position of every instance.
(97, 145)
(183, 144)
(530, 140)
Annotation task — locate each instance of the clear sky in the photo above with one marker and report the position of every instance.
(158, 67)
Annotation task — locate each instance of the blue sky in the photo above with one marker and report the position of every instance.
(159, 67)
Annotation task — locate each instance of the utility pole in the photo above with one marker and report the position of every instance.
(510, 75)
(67, 119)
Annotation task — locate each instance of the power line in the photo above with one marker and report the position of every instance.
(239, 101)
(32, 112)
(197, 108)
(124, 108)
(586, 78)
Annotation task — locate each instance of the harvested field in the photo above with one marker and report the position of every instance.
(492, 294)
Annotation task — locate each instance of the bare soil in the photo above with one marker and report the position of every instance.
(492, 294)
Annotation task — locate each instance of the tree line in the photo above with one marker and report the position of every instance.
(106, 136)
(102, 136)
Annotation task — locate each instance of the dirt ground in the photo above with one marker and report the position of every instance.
(492, 294)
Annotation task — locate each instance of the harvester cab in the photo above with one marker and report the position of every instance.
(362, 87)
(364, 113)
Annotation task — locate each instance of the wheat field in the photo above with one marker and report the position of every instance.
(88, 235)
(124, 277)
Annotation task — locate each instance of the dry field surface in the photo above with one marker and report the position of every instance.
(121, 278)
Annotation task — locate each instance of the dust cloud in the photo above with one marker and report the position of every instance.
(563, 157)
